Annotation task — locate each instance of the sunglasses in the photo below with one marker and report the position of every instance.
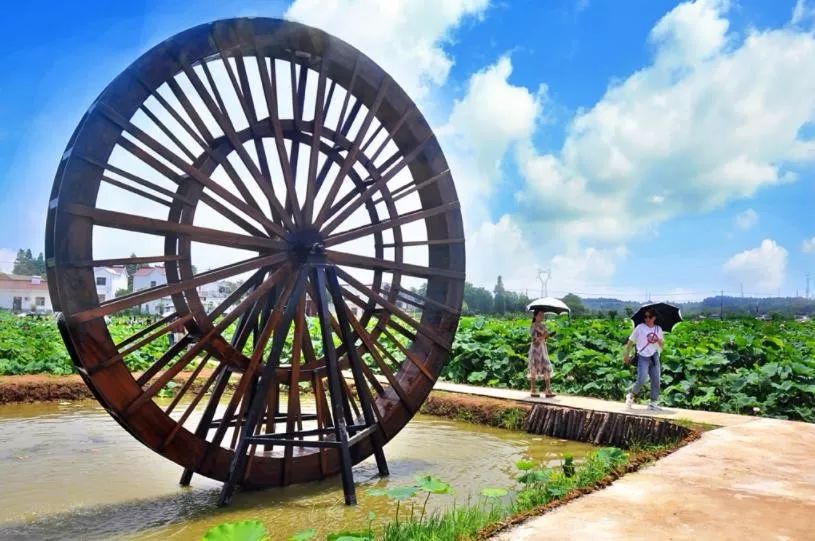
(650, 317)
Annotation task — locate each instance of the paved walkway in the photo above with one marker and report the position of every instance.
(753, 479)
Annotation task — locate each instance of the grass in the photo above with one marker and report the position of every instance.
(538, 487)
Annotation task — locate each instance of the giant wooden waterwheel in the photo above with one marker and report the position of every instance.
(282, 165)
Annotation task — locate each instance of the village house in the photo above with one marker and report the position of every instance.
(213, 293)
(109, 280)
(24, 293)
(149, 277)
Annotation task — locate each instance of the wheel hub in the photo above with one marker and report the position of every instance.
(306, 245)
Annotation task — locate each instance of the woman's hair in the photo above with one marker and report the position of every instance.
(650, 313)
(535, 314)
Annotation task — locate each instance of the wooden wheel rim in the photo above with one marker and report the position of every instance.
(73, 214)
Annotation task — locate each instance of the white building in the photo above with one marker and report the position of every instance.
(149, 277)
(109, 280)
(213, 294)
(24, 293)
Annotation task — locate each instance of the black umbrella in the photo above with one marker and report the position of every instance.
(668, 315)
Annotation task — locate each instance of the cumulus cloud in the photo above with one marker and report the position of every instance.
(502, 248)
(762, 268)
(808, 246)
(710, 120)
(405, 37)
(746, 219)
(492, 116)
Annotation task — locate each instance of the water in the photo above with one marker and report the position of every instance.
(68, 471)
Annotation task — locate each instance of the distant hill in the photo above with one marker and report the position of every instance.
(733, 306)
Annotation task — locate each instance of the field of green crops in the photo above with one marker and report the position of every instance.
(739, 366)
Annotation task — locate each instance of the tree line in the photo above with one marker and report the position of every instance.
(479, 300)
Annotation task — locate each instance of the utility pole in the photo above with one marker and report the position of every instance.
(721, 306)
(544, 282)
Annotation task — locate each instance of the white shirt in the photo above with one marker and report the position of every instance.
(646, 339)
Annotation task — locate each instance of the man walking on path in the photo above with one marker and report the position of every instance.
(648, 340)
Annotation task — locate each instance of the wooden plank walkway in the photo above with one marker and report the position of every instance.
(597, 404)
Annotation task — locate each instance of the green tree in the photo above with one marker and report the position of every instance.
(40, 264)
(477, 300)
(575, 304)
(26, 265)
(131, 269)
(500, 300)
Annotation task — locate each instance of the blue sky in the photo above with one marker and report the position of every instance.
(553, 117)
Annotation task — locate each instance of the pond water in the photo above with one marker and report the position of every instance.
(68, 471)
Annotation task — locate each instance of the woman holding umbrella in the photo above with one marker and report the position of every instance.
(539, 365)
(648, 340)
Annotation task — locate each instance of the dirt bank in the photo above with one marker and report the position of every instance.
(41, 388)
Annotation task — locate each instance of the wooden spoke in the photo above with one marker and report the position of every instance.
(315, 142)
(390, 223)
(407, 353)
(423, 301)
(132, 222)
(371, 347)
(391, 307)
(250, 209)
(351, 158)
(171, 175)
(374, 188)
(187, 384)
(218, 372)
(268, 79)
(132, 189)
(407, 189)
(409, 111)
(168, 133)
(349, 90)
(164, 290)
(363, 262)
(229, 131)
(198, 347)
(124, 261)
(438, 242)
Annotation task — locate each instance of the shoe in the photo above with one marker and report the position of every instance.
(549, 395)
(629, 400)
(535, 395)
(653, 406)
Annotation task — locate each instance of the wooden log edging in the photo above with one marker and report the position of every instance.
(602, 427)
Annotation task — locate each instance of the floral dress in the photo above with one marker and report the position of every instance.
(539, 365)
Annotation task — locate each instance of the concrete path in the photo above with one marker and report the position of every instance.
(753, 479)
(748, 481)
(697, 416)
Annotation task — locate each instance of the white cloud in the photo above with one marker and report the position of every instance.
(405, 37)
(709, 121)
(500, 248)
(492, 116)
(760, 269)
(7, 257)
(808, 246)
(746, 219)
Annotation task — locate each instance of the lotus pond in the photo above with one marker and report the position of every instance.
(70, 472)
